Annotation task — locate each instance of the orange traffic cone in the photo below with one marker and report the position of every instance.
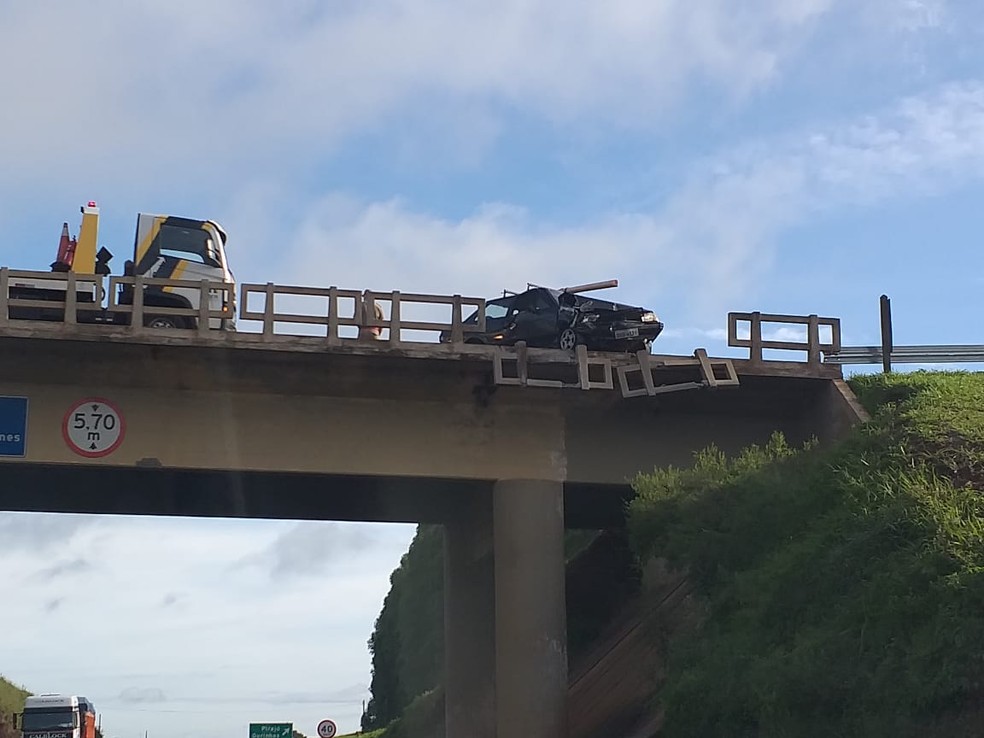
(66, 251)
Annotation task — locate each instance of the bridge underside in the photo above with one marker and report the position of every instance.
(111, 490)
(392, 436)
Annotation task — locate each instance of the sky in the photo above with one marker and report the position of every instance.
(802, 156)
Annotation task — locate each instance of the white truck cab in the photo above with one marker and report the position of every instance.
(57, 716)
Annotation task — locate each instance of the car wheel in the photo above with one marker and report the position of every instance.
(163, 321)
(567, 340)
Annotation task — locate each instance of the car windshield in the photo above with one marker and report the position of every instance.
(40, 720)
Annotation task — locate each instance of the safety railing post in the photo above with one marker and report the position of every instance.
(363, 310)
(813, 341)
(71, 300)
(204, 309)
(4, 296)
(268, 311)
(137, 307)
(332, 315)
(457, 331)
(755, 338)
(395, 321)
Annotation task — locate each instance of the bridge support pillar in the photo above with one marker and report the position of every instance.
(530, 609)
(469, 620)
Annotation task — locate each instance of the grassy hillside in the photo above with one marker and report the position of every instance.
(11, 701)
(844, 587)
(11, 697)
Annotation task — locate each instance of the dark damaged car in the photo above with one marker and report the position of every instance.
(549, 318)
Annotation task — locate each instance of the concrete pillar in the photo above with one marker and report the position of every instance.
(530, 612)
(469, 620)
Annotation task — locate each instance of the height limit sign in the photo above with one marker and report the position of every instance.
(93, 427)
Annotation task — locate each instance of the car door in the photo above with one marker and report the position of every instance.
(498, 315)
(534, 318)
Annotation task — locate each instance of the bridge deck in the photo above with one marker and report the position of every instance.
(18, 331)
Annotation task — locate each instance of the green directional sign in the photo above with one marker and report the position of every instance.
(271, 730)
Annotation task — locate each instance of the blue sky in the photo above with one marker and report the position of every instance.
(795, 157)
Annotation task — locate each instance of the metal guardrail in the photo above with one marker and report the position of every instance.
(939, 354)
(756, 343)
(888, 353)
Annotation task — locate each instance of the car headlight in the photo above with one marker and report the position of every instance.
(649, 317)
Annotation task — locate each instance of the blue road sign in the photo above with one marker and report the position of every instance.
(13, 426)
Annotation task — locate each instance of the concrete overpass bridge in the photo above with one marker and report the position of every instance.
(504, 447)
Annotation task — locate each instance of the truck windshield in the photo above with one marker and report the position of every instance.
(190, 244)
(56, 719)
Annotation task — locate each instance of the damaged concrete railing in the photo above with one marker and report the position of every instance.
(641, 374)
(362, 311)
(759, 340)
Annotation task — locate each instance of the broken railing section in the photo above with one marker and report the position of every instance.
(774, 338)
(512, 366)
(653, 371)
(647, 375)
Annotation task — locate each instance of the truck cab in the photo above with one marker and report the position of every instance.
(171, 258)
(170, 247)
(57, 716)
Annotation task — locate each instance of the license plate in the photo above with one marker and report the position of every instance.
(627, 333)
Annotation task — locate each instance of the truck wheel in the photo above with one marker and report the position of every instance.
(163, 321)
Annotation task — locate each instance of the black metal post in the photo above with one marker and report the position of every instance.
(886, 333)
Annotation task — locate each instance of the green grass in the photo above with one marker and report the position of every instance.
(422, 718)
(11, 701)
(11, 697)
(844, 587)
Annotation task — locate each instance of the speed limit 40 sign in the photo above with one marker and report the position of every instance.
(326, 729)
(93, 427)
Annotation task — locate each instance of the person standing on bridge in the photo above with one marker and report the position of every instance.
(366, 332)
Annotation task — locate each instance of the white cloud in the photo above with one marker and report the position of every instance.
(38, 533)
(312, 549)
(918, 15)
(707, 249)
(113, 88)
